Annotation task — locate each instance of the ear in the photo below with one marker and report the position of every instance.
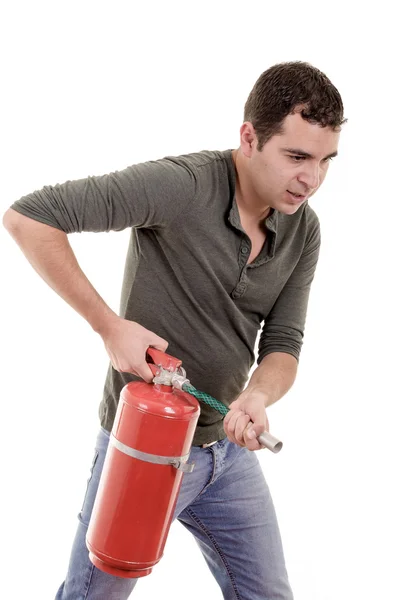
(248, 139)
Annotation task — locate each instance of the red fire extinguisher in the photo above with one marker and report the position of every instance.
(147, 455)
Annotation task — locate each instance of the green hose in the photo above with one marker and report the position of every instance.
(203, 397)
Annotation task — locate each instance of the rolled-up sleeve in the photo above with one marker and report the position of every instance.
(283, 328)
(149, 194)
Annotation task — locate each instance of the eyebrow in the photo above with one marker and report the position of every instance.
(299, 152)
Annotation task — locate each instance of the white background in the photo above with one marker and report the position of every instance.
(88, 88)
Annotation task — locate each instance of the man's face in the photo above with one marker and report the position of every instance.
(291, 166)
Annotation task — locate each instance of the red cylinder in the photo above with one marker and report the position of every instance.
(136, 498)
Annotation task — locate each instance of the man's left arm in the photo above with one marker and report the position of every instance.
(279, 348)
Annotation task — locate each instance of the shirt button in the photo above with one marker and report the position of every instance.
(244, 250)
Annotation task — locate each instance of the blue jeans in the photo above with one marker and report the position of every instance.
(225, 503)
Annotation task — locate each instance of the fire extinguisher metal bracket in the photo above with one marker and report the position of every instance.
(178, 462)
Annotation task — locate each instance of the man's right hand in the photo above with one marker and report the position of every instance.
(126, 343)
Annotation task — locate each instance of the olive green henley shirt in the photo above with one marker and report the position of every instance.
(186, 274)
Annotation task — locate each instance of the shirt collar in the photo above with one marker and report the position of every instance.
(271, 222)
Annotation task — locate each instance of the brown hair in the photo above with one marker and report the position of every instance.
(285, 88)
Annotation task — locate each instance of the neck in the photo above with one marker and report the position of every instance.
(249, 204)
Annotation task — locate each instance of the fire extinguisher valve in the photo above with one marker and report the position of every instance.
(178, 380)
(165, 377)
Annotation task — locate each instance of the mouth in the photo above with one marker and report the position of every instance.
(296, 197)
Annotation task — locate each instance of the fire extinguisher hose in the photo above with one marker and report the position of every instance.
(266, 439)
(203, 397)
(168, 370)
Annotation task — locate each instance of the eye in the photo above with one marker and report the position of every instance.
(298, 158)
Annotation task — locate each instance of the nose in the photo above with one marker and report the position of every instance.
(310, 176)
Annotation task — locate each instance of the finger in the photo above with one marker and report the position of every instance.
(259, 423)
(241, 424)
(139, 367)
(145, 372)
(233, 408)
(236, 427)
(141, 370)
(159, 343)
(250, 438)
(228, 418)
(230, 424)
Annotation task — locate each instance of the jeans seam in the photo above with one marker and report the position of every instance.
(212, 478)
(216, 548)
(89, 582)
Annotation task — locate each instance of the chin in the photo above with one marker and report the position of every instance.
(289, 209)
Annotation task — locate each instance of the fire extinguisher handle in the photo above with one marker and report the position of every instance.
(161, 359)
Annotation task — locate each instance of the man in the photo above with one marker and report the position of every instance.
(222, 243)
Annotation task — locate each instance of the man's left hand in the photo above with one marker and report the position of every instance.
(247, 419)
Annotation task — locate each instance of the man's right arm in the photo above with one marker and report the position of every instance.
(50, 253)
